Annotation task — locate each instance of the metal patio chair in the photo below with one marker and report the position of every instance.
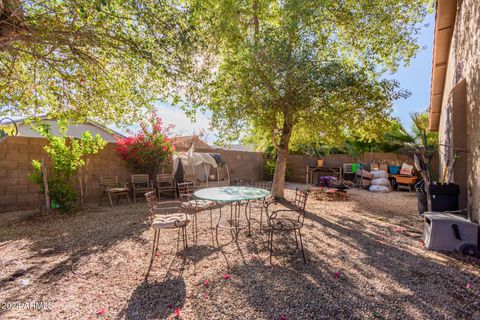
(166, 216)
(287, 220)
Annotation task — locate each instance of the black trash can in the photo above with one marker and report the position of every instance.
(421, 197)
(444, 197)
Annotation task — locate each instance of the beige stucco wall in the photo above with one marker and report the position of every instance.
(73, 130)
(464, 64)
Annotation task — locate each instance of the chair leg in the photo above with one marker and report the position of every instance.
(110, 199)
(134, 197)
(296, 240)
(301, 246)
(271, 245)
(211, 227)
(154, 244)
(261, 218)
(128, 198)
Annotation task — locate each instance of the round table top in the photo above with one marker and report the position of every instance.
(230, 194)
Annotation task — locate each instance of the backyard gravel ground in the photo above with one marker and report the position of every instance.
(365, 258)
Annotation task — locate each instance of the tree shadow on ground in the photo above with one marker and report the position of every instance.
(410, 270)
(71, 238)
(155, 300)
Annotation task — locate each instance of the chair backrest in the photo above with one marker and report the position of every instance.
(267, 185)
(110, 181)
(165, 180)
(348, 168)
(140, 180)
(300, 199)
(151, 201)
(185, 189)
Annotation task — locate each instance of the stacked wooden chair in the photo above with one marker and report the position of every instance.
(112, 188)
(141, 184)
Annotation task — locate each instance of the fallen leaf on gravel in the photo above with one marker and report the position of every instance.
(170, 306)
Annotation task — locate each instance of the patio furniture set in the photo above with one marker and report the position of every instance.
(139, 184)
(235, 206)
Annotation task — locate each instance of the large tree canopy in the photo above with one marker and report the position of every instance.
(316, 66)
(104, 59)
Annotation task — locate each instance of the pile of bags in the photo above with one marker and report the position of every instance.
(379, 182)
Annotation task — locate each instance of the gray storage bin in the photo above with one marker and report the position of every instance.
(448, 232)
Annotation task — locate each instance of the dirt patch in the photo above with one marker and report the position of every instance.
(365, 261)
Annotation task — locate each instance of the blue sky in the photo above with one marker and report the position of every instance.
(414, 77)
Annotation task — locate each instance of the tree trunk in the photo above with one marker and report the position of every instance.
(278, 184)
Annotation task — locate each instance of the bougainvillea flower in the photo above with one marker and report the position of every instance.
(177, 312)
(205, 283)
(336, 275)
(226, 276)
(469, 285)
(101, 311)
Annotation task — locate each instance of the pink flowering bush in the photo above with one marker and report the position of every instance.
(147, 149)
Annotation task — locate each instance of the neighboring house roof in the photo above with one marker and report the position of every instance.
(240, 147)
(75, 131)
(444, 24)
(184, 142)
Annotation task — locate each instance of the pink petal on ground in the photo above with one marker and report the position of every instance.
(254, 257)
(398, 230)
(226, 276)
(422, 242)
(469, 285)
(177, 312)
(158, 254)
(205, 283)
(282, 317)
(170, 306)
(101, 311)
(337, 274)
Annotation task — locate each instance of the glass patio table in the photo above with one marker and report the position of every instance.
(236, 196)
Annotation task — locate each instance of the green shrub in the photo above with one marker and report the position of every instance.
(67, 157)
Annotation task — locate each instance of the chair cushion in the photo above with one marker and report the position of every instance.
(284, 224)
(119, 190)
(172, 220)
(198, 205)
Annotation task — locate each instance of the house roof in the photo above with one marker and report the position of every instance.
(89, 121)
(184, 142)
(443, 31)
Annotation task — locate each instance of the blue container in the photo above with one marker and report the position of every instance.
(393, 169)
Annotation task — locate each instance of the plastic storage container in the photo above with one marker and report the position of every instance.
(444, 197)
(393, 169)
(449, 232)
